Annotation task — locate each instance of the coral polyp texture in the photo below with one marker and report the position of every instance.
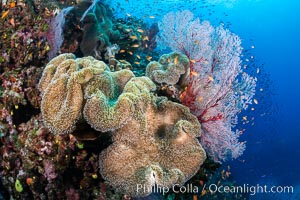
(158, 146)
(154, 140)
(169, 68)
(105, 112)
(61, 86)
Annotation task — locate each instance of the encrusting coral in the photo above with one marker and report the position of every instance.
(169, 69)
(158, 146)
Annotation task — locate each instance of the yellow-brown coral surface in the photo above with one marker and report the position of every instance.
(158, 146)
(61, 86)
(154, 139)
(169, 69)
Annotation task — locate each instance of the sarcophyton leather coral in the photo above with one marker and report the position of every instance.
(108, 112)
(158, 146)
(169, 68)
(67, 81)
(154, 139)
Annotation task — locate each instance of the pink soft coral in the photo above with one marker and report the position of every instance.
(218, 89)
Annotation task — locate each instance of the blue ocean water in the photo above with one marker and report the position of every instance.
(273, 25)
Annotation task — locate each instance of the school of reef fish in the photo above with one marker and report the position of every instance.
(92, 104)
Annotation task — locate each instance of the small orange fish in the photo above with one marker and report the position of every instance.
(135, 46)
(128, 14)
(149, 58)
(122, 51)
(210, 78)
(140, 30)
(133, 37)
(193, 61)
(152, 17)
(129, 52)
(228, 174)
(197, 42)
(146, 38)
(4, 14)
(203, 193)
(12, 21)
(12, 4)
(176, 60)
(139, 57)
(255, 101)
(137, 63)
(194, 73)
(200, 99)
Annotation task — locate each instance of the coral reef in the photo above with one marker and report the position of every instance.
(55, 32)
(97, 29)
(67, 82)
(169, 69)
(125, 105)
(108, 112)
(21, 37)
(218, 89)
(158, 146)
(170, 73)
(80, 128)
(89, 29)
(85, 27)
(55, 167)
(62, 103)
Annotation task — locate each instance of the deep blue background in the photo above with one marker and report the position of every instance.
(275, 29)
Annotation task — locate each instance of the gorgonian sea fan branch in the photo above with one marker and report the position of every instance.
(218, 89)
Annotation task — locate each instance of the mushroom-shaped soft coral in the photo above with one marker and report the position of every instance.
(169, 69)
(158, 146)
(61, 86)
(112, 103)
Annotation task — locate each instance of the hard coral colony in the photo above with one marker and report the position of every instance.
(102, 124)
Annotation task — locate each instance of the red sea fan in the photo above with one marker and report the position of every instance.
(218, 89)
